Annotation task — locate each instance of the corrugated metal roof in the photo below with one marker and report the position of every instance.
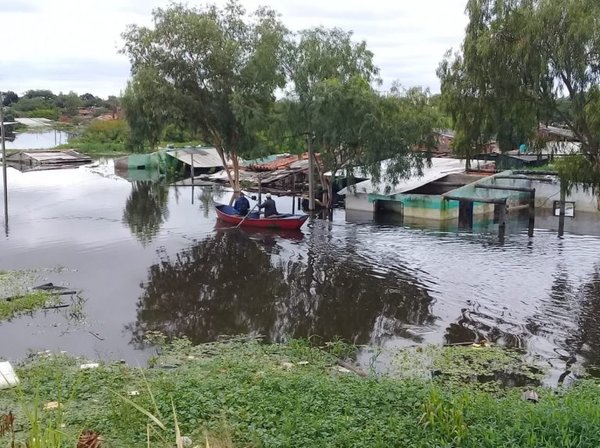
(34, 121)
(202, 157)
(279, 163)
(49, 157)
(440, 167)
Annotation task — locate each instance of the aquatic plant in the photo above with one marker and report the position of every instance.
(483, 365)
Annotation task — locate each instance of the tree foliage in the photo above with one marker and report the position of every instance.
(223, 67)
(69, 103)
(332, 100)
(146, 105)
(525, 61)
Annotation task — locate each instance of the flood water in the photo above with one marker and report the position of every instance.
(36, 140)
(148, 256)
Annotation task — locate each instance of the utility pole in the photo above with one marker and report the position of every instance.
(2, 137)
(311, 176)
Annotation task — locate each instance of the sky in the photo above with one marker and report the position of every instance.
(73, 45)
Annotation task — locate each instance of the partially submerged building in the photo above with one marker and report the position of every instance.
(191, 160)
(46, 160)
(418, 196)
(445, 193)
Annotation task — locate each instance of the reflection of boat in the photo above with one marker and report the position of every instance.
(256, 232)
(285, 222)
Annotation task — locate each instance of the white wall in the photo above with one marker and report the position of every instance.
(546, 193)
(359, 202)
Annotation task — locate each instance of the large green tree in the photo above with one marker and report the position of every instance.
(519, 61)
(147, 108)
(223, 66)
(332, 100)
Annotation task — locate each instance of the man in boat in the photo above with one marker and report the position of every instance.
(269, 206)
(242, 205)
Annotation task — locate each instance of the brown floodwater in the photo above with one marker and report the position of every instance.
(147, 256)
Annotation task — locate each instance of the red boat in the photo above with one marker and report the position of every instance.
(228, 214)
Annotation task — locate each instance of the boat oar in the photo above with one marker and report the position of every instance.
(247, 214)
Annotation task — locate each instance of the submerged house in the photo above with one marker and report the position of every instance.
(416, 196)
(194, 160)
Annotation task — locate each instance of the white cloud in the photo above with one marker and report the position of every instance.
(73, 44)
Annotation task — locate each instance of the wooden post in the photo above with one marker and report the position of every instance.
(259, 188)
(311, 176)
(561, 216)
(294, 194)
(502, 222)
(4, 179)
(531, 212)
(192, 169)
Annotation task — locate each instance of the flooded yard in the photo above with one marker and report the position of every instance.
(147, 256)
(43, 139)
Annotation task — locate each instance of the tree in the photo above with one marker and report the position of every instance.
(467, 106)
(90, 100)
(332, 100)
(522, 59)
(223, 67)
(44, 94)
(146, 101)
(10, 97)
(69, 103)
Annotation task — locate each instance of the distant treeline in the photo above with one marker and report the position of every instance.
(46, 104)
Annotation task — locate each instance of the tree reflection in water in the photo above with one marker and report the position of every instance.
(589, 330)
(146, 209)
(231, 284)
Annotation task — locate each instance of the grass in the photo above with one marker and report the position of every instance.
(16, 299)
(246, 394)
(29, 302)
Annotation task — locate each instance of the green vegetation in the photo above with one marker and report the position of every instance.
(102, 138)
(16, 299)
(247, 394)
(46, 104)
(26, 303)
(215, 71)
(333, 99)
(523, 62)
(483, 366)
(113, 137)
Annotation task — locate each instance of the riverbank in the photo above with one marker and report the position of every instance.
(249, 394)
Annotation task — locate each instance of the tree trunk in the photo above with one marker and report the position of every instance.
(324, 183)
(236, 174)
(234, 179)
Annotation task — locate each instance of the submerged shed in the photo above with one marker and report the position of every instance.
(47, 159)
(204, 158)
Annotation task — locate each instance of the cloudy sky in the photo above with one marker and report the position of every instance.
(66, 45)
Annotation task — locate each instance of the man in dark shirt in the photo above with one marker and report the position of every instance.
(242, 205)
(269, 206)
